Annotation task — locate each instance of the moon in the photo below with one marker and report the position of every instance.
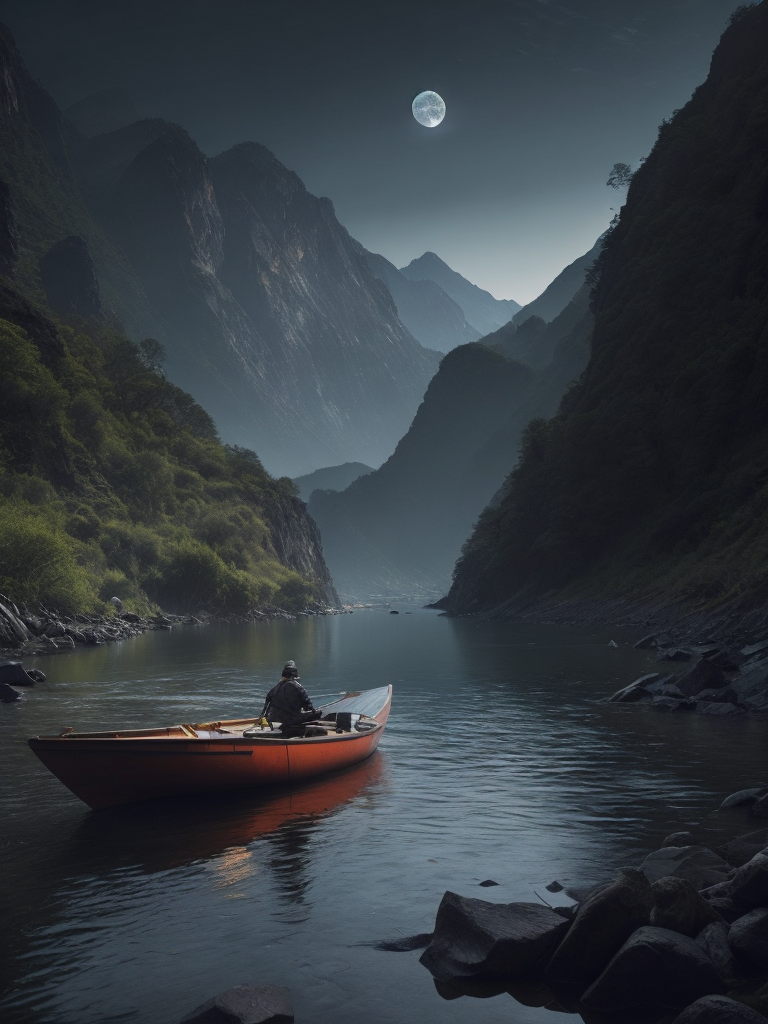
(428, 109)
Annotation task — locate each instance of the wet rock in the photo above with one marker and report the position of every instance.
(743, 797)
(405, 945)
(679, 907)
(678, 839)
(604, 921)
(14, 672)
(646, 643)
(473, 937)
(718, 1010)
(748, 938)
(718, 710)
(8, 694)
(703, 676)
(637, 690)
(654, 966)
(749, 885)
(751, 686)
(554, 887)
(675, 654)
(697, 864)
(245, 1004)
(744, 848)
(488, 882)
(714, 941)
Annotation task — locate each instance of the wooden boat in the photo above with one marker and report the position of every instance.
(108, 768)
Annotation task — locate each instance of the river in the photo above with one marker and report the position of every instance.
(499, 762)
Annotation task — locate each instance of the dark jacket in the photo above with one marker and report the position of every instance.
(287, 701)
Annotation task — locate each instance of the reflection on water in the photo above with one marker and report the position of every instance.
(498, 762)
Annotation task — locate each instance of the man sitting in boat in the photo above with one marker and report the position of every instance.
(289, 703)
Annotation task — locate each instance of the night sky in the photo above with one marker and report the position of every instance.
(543, 98)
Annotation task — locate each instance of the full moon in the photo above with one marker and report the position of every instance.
(428, 109)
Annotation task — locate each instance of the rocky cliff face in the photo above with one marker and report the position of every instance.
(651, 482)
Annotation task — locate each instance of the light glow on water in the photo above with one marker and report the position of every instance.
(498, 762)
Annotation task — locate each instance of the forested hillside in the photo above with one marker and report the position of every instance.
(652, 482)
(113, 483)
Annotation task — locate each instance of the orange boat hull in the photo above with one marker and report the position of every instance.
(104, 770)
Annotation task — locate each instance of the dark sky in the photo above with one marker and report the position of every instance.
(542, 99)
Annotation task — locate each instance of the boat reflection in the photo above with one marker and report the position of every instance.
(167, 834)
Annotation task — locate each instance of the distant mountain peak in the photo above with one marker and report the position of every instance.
(482, 311)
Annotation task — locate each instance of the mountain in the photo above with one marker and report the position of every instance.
(114, 483)
(398, 531)
(648, 490)
(559, 292)
(432, 316)
(333, 478)
(268, 310)
(481, 309)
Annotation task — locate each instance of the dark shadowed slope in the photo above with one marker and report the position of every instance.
(652, 483)
(331, 478)
(559, 293)
(482, 310)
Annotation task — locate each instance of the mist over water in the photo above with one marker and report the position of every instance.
(498, 762)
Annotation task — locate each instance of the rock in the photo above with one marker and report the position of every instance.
(605, 920)
(753, 649)
(749, 885)
(714, 941)
(36, 674)
(751, 686)
(130, 617)
(394, 612)
(726, 908)
(744, 848)
(703, 676)
(723, 695)
(15, 673)
(675, 654)
(654, 966)
(474, 937)
(406, 944)
(679, 907)
(718, 1010)
(744, 796)
(636, 690)
(697, 864)
(748, 938)
(488, 882)
(677, 839)
(245, 1004)
(554, 887)
(728, 661)
(760, 807)
(69, 278)
(646, 643)
(8, 694)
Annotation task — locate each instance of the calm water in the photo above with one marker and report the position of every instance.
(498, 762)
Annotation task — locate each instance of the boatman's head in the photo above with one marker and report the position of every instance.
(289, 670)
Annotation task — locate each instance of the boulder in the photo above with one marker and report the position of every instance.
(405, 945)
(718, 709)
(703, 676)
(677, 839)
(473, 937)
(679, 907)
(13, 672)
(749, 885)
(654, 966)
(714, 941)
(751, 686)
(605, 920)
(8, 694)
(748, 938)
(718, 1010)
(742, 797)
(245, 1004)
(635, 691)
(697, 864)
(760, 807)
(744, 848)
(675, 654)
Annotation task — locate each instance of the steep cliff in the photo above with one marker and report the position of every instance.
(652, 481)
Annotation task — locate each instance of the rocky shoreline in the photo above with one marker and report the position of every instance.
(683, 938)
(26, 632)
(725, 680)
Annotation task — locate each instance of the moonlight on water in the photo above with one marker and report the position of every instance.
(428, 109)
